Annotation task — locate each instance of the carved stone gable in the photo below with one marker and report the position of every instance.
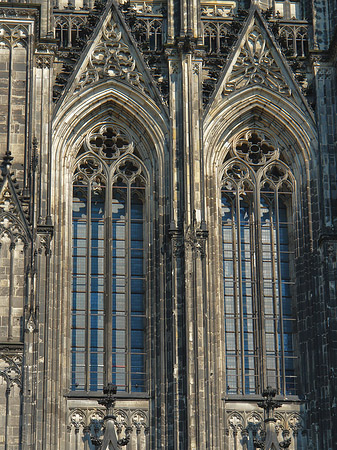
(256, 65)
(256, 62)
(110, 57)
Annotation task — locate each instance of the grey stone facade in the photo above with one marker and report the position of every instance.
(184, 81)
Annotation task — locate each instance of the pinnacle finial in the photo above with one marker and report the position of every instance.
(7, 162)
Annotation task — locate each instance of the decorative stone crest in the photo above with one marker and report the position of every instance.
(256, 65)
(111, 58)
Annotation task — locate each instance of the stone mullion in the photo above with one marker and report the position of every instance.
(262, 379)
(108, 283)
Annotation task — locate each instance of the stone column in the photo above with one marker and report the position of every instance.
(188, 238)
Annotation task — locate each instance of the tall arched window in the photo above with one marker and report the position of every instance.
(258, 252)
(108, 300)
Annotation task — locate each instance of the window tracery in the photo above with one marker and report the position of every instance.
(108, 310)
(258, 255)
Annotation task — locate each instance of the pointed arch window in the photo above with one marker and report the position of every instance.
(108, 294)
(258, 254)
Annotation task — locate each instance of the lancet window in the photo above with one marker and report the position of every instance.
(258, 255)
(108, 292)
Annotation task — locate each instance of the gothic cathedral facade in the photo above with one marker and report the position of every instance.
(168, 224)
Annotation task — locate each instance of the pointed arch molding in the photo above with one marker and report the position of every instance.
(258, 107)
(115, 101)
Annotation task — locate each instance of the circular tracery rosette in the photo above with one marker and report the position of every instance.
(109, 142)
(255, 147)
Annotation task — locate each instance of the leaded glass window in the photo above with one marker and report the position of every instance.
(258, 253)
(108, 295)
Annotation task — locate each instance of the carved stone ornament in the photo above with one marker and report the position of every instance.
(255, 147)
(10, 223)
(43, 61)
(109, 142)
(256, 65)
(11, 367)
(111, 58)
(13, 34)
(139, 421)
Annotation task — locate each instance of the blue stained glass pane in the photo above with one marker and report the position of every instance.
(78, 301)
(289, 365)
(286, 306)
(137, 339)
(78, 320)
(97, 234)
(97, 206)
(118, 234)
(136, 209)
(78, 338)
(285, 270)
(118, 266)
(136, 267)
(288, 343)
(282, 212)
(79, 233)
(118, 285)
(97, 265)
(118, 203)
(137, 303)
(97, 284)
(137, 323)
(244, 212)
(137, 362)
(138, 382)
(136, 231)
(79, 284)
(79, 204)
(284, 235)
(137, 285)
(288, 326)
(226, 209)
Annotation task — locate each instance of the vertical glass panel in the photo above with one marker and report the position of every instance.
(119, 285)
(237, 272)
(137, 313)
(79, 285)
(108, 237)
(257, 274)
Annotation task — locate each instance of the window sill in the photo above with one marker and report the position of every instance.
(99, 394)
